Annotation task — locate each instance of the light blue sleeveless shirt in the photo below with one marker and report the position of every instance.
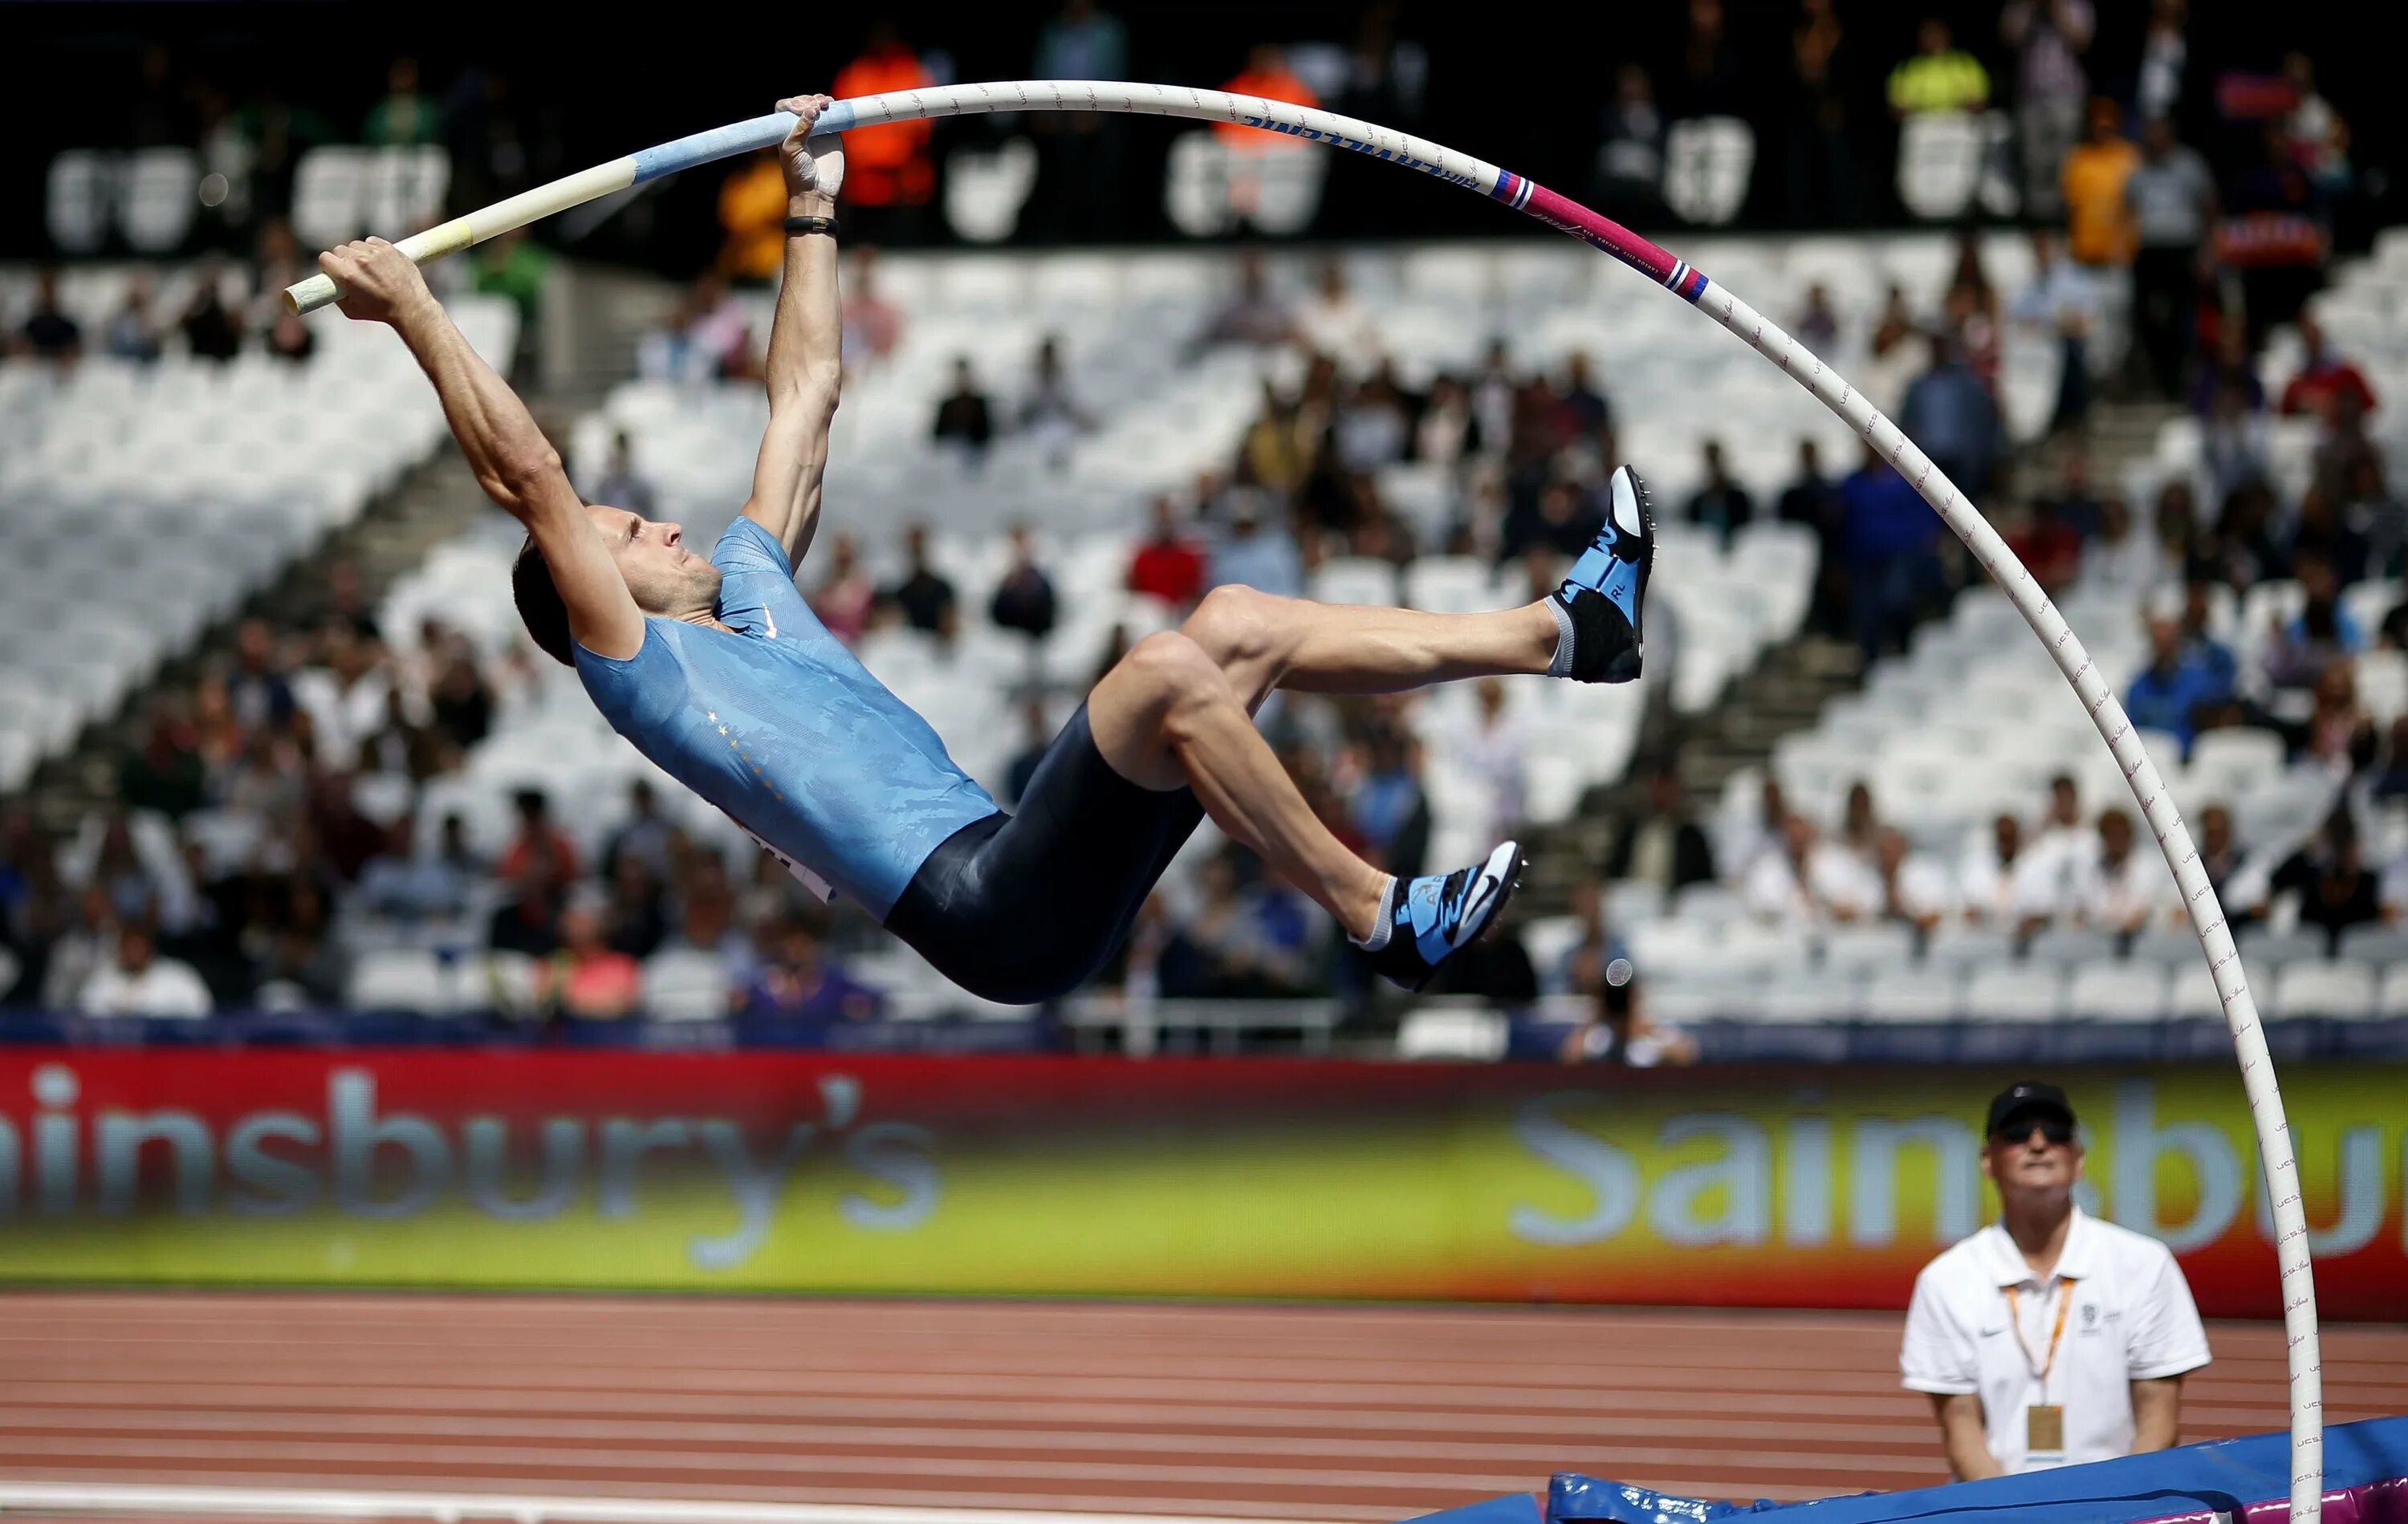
(779, 726)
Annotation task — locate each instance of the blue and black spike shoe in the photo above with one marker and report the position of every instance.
(1601, 597)
(1431, 916)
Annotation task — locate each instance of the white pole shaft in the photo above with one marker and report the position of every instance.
(2148, 787)
(2173, 838)
(450, 237)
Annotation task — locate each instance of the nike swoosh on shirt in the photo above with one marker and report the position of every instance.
(1993, 1332)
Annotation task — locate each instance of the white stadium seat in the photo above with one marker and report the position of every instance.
(398, 980)
(330, 195)
(2337, 988)
(81, 189)
(2380, 944)
(161, 191)
(1450, 1033)
(1749, 947)
(2233, 763)
(1921, 994)
(1709, 904)
(2014, 992)
(985, 189)
(20, 751)
(1355, 579)
(1939, 163)
(1960, 947)
(685, 986)
(2192, 994)
(402, 189)
(2107, 991)
(1809, 996)
(1867, 949)
(1707, 162)
(1669, 950)
(2393, 999)
(2166, 948)
(2067, 946)
(2264, 952)
(1548, 940)
(1278, 191)
(1452, 585)
(1633, 902)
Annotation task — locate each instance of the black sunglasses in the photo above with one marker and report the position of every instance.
(2053, 1129)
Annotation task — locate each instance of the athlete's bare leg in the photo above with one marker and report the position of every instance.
(1264, 642)
(1178, 709)
(1168, 716)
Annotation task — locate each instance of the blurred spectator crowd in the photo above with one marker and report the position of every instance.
(224, 311)
(269, 832)
(1800, 115)
(2060, 868)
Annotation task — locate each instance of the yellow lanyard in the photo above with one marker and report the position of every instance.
(2015, 1321)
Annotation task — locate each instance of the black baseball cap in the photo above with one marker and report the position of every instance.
(2026, 1098)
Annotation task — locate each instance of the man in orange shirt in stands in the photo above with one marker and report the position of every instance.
(752, 211)
(888, 171)
(2099, 227)
(1249, 148)
(1266, 75)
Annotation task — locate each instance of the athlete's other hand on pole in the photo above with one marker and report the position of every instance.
(814, 164)
(379, 282)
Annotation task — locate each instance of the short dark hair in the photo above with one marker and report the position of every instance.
(541, 608)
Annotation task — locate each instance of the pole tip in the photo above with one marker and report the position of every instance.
(306, 296)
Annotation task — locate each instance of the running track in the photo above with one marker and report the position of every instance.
(1294, 1412)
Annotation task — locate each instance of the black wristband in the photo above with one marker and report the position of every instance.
(796, 226)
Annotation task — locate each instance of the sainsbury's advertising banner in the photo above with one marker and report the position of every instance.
(802, 1171)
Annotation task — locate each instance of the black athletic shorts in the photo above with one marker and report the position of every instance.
(1021, 908)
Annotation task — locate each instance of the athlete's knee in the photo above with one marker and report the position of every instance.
(1172, 669)
(1182, 684)
(1237, 624)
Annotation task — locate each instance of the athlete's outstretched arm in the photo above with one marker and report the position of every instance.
(806, 342)
(514, 463)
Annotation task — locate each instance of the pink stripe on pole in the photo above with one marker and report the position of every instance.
(1608, 234)
(2374, 1503)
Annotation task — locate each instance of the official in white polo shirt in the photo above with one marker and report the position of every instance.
(2049, 1338)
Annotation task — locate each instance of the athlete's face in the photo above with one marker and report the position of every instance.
(664, 577)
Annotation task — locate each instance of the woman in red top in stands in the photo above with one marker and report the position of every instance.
(1167, 566)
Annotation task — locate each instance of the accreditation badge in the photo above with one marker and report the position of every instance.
(2044, 1435)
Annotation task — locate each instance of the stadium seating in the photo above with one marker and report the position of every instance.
(1974, 720)
(177, 489)
(213, 478)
